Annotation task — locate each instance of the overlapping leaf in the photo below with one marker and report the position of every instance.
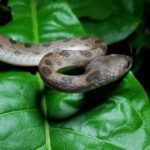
(114, 29)
(41, 21)
(110, 20)
(115, 124)
(94, 9)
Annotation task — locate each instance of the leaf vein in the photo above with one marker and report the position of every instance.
(17, 111)
(34, 21)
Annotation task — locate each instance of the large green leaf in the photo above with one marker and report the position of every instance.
(110, 20)
(41, 21)
(114, 29)
(95, 9)
(120, 122)
(21, 126)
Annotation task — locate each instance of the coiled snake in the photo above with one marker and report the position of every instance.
(100, 69)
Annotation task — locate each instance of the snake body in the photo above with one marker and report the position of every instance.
(100, 69)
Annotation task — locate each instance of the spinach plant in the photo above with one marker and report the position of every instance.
(32, 116)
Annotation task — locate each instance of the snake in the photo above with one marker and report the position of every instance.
(87, 52)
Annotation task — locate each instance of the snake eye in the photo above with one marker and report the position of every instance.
(72, 71)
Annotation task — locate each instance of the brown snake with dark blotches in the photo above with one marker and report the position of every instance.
(100, 69)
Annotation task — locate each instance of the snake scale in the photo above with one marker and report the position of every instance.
(100, 69)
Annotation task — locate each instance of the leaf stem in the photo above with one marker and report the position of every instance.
(48, 142)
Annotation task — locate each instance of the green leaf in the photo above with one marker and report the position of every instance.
(135, 7)
(121, 122)
(115, 124)
(62, 105)
(112, 21)
(95, 9)
(115, 29)
(21, 125)
(41, 21)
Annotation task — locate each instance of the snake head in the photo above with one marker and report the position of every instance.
(108, 69)
(122, 63)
